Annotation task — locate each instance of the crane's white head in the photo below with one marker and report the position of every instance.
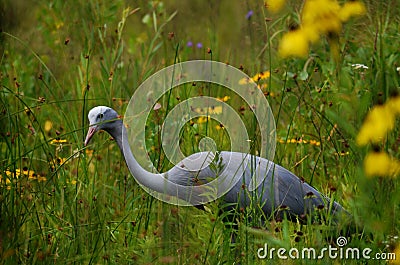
(101, 118)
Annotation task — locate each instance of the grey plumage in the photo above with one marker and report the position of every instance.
(280, 190)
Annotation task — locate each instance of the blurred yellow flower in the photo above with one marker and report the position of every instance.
(59, 24)
(73, 182)
(380, 164)
(41, 178)
(48, 125)
(379, 121)
(319, 17)
(310, 33)
(275, 5)
(294, 43)
(89, 152)
(396, 261)
(322, 15)
(394, 104)
(352, 8)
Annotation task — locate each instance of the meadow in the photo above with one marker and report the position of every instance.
(334, 94)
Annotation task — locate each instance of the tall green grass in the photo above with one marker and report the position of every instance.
(81, 205)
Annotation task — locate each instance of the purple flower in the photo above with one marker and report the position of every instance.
(189, 44)
(199, 45)
(249, 14)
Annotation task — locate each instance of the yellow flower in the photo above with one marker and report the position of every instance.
(294, 43)
(327, 15)
(380, 164)
(264, 86)
(203, 119)
(245, 81)
(59, 24)
(24, 172)
(89, 152)
(314, 142)
(319, 17)
(60, 160)
(31, 174)
(10, 173)
(397, 256)
(394, 104)
(379, 121)
(224, 99)
(209, 110)
(261, 76)
(310, 33)
(8, 182)
(343, 153)
(352, 8)
(299, 141)
(219, 127)
(73, 182)
(257, 77)
(41, 178)
(215, 110)
(322, 15)
(58, 141)
(48, 125)
(275, 5)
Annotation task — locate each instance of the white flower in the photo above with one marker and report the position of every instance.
(358, 66)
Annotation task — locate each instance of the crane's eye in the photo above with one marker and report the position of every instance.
(100, 116)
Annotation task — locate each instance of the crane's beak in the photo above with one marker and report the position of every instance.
(92, 130)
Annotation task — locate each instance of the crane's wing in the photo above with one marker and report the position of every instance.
(278, 189)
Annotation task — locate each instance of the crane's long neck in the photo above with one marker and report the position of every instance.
(156, 182)
(191, 194)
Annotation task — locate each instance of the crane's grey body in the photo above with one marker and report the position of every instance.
(280, 189)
